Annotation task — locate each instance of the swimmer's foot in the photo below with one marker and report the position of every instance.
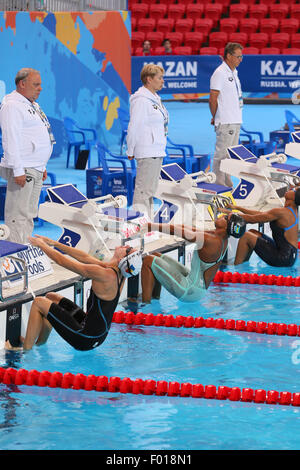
(9, 347)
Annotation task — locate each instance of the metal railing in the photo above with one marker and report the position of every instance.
(62, 5)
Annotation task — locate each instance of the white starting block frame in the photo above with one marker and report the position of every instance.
(189, 199)
(293, 148)
(97, 225)
(263, 180)
(7, 251)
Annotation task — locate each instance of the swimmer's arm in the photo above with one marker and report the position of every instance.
(75, 253)
(261, 217)
(244, 210)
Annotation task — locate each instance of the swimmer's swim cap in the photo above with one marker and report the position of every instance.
(236, 226)
(131, 264)
(297, 197)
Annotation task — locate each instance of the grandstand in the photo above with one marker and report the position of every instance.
(263, 27)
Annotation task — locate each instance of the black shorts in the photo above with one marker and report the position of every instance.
(267, 250)
(68, 321)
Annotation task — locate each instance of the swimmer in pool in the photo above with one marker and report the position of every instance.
(281, 249)
(189, 285)
(82, 330)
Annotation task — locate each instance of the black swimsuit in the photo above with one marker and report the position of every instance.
(277, 251)
(82, 330)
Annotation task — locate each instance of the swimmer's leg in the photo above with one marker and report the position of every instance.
(38, 327)
(246, 246)
(147, 279)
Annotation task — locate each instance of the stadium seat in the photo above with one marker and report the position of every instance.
(176, 38)
(295, 11)
(194, 10)
(194, 40)
(176, 11)
(218, 39)
(183, 50)
(238, 10)
(258, 11)
(208, 51)
(155, 37)
(133, 24)
(160, 50)
(149, 2)
(184, 25)
(279, 10)
(204, 26)
(259, 40)
(229, 25)
(137, 38)
(289, 25)
(295, 40)
(270, 50)
(249, 25)
(268, 25)
(139, 10)
(167, 2)
(250, 50)
(157, 11)
(241, 38)
(248, 2)
(291, 51)
(165, 25)
(146, 24)
(267, 2)
(280, 40)
(225, 4)
(213, 11)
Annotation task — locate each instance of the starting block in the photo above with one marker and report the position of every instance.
(293, 148)
(189, 199)
(7, 251)
(97, 225)
(263, 180)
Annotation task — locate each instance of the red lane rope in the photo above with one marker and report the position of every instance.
(148, 319)
(254, 278)
(10, 376)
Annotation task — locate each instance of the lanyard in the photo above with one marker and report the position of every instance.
(36, 107)
(164, 112)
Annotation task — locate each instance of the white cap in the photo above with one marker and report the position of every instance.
(131, 264)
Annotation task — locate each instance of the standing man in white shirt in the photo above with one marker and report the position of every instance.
(225, 103)
(147, 136)
(27, 143)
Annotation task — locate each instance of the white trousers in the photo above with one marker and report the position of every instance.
(146, 183)
(21, 204)
(227, 135)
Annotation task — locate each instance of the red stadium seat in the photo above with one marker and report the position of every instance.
(167, 2)
(165, 25)
(229, 25)
(225, 4)
(241, 38)
(269, 25)
(146, 24)
(218, 39)
(289, 25)
(248, 2)
(213, 11)
(280, 40)
(238, 10)
(184, 25)
(267, 2)
(149, 2)
(194, 10)
(259, 40)
(133, 24)
(250, 50)
(183, 50)
(258, 11)
(176, 38)
(157, 11)
(155, 37)
(139, 10)
(203, 25)
(279, 10)
(176, 11)
(208, 51)
(270, 50)
(295, 40)
(291, 51)
(137, 38)
(194, 40)
(295, 11)
(139, 51)
(249, 25)
(159, 50)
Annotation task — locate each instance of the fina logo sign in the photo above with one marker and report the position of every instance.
(280, 73)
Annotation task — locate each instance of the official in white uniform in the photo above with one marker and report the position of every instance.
(27, 143)
(147, 136)
(226, 102)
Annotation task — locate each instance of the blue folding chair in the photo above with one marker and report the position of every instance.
(124, 121)
(79, 137)
(291, 120)
(184, 156)
(120, 167)
(257, 147)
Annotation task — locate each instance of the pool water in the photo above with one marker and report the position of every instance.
(43, 418)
